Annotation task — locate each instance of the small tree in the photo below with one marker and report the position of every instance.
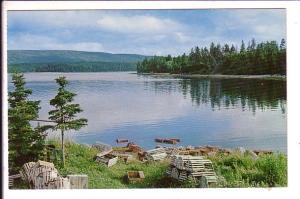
(25, 143)
(65, 112)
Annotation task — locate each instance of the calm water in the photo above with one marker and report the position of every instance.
(222, 112)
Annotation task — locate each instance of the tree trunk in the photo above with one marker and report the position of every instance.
(63, 147)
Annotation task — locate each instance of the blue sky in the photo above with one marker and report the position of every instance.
(147, 32)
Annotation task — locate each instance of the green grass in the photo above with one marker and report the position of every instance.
(243, 171)
(234, 170)
(80, 160)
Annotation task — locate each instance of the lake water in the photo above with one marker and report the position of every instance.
(223, 112)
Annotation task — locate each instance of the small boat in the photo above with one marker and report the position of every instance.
(167, 141)
(122, 140)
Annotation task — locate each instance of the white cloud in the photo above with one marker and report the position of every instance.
(137, 24)
(263, 24)
(181, 37)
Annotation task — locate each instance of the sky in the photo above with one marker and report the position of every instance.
(147, 32)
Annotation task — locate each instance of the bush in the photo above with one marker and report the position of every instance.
(274, 169)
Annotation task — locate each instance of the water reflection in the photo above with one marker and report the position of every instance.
(247, 94)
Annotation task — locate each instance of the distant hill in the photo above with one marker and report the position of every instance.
(70, 61)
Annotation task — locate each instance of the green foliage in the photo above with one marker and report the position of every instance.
(65, 112)
(70, 61)
(256, 59)
(68, 56)
(25, 143)
(274, 169)
(72, 67)
(244, 171)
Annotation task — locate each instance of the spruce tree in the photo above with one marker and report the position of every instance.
(25, 143)
(65, 112)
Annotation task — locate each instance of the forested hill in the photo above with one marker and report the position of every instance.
(70, 61)
(247, 59)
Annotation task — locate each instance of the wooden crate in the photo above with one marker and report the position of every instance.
(135, 176)
(108, 160)
(59, 183)
(78, 181)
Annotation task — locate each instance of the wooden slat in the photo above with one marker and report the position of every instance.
(78, 181)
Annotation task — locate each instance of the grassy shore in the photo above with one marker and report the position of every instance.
(234, 170)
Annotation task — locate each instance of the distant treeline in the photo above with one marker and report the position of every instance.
(255, 59)
(72, 67)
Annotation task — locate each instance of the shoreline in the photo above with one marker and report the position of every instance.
(219, 76)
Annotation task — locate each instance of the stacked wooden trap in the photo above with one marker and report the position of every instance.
(184, 167)
(43, 175)
(104, 156)
(108, 159)
(12, 178)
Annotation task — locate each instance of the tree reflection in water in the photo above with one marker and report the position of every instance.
(247, 94)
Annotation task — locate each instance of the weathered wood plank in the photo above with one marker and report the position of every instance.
(78, 181)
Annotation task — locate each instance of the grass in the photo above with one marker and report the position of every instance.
(243, 171)
(234, 170)
(80, 160)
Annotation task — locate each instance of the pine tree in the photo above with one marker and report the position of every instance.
(65, 112)
(25, 143)
(242, 50)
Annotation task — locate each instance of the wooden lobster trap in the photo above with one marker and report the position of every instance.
(184, 167)
(108, 160)
(135, 176)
